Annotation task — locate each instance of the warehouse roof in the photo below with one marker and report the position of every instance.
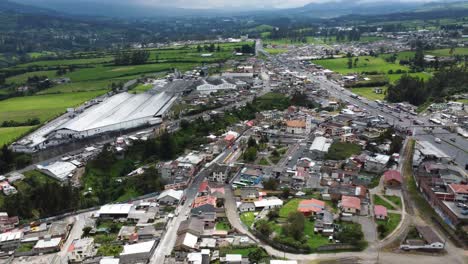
(115, 209)
(144, 247)
(321, 144)
(117, 109)
(58, 169)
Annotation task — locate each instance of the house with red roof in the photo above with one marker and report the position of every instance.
(204, 204)
(393, 179)
(350, 204)
(380, 212)
(460, 191)
(204, 188)
(311, 207)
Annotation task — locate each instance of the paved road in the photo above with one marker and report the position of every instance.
(168, 240)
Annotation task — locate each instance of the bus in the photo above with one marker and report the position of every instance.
(239, 184)
(435, 121)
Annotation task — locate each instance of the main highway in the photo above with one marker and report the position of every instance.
(450, 143)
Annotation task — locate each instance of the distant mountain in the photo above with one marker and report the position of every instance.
(124, 10)
(10, 6)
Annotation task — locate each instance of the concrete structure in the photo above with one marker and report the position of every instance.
(114, 211)
(82, 249)
(429, 240)
(376, 163)
(320, 146)
(137, 253)
(268, 203)
(170, 196)
(296, 127)
(119, 112)
(208, 88)
(59, 170)
(48, 244)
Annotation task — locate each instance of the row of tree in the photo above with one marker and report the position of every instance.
(444, 83)
(135, 57)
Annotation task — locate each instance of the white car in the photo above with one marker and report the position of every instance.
(437, 140)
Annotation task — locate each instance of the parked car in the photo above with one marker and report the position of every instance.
(438, 140)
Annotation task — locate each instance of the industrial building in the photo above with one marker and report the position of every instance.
(120, 112)
(107, 114)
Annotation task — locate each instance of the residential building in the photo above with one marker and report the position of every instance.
(376, 163)
(110, 211)
(392, 179)
(48, 245)
(7, 223)
(249, 195)
(81, 250)
(351, 205)
(380, 212)
(268, 203)
(324, 223)
(429, 240)
(296, 127)
(311, 207)
(320, 146)
(137, 253)
(170, 196)
(219, 173)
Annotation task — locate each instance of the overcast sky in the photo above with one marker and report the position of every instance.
(216, 4)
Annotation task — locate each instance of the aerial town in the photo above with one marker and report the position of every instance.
(272, 156)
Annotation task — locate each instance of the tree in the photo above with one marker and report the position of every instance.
(273, 214)
(295, 225)
(86, 231)
(356, 61)
(252, 142)
(381, 229)
(286, 193)
(350, 63)
(271, 184)
(250, 154)
(263, 227)
(199, 49)
(256, 255)
(351, 233)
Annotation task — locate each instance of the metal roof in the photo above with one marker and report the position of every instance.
(117, 109)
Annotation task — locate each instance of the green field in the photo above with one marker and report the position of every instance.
(44, 107)
(9, 134)
(22, 78)
(365, 64)
(289, 207)
(248, 218)
(393, 78)
(379, 201)
(390, 224)
(92, 77)
(369, 93)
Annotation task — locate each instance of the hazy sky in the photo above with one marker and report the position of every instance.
(209, 4)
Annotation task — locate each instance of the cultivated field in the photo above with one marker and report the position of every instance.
(365, 64)
(43, 107)
(9, 134)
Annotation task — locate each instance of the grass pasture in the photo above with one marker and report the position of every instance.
(369, 93)
(44, 107)
(365, 64)
(10, 134)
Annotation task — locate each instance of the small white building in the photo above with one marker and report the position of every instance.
(114, 211)
(268, 203)
(137, 253)
(170, 196)
(59, 170)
